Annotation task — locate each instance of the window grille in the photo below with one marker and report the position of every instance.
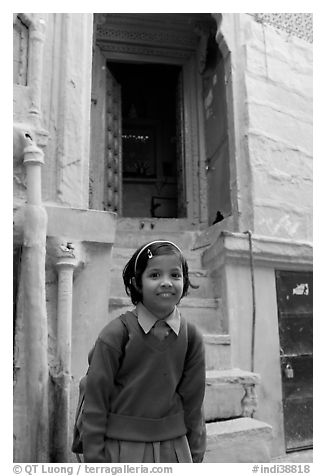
(296, 24)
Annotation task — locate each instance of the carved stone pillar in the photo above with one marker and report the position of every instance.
(66, 264)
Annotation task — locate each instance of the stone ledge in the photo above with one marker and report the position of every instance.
(205, 314)
(217, 351)
(73, 224)
(82, 224)
(231, 376)
(236, 426)
(185, 303)
(217, 339)
(269, 251)
(241, 440)
(230, 393)
(198, 273)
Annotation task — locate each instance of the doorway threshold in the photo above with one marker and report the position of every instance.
(157, 224)
(298, 456)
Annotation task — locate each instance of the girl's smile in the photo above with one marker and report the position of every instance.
(162, 284)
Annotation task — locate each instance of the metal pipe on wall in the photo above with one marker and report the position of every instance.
(35, 66)
(35, 316)
(253, 296)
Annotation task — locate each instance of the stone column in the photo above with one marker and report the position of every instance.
(34, 312)
(66, 263)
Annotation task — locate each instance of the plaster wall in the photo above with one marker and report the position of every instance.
(90, 313)
(278, 86)
(229, 262)
(269, 103)
(266, 356)
(91, 290)
(98, 140)
(92, 235)
(66, 100)
(230, 40)
(55, 104)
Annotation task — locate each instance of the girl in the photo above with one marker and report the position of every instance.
(146, 382)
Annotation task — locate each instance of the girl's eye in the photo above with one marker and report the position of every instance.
(154, 275)
(176, 275)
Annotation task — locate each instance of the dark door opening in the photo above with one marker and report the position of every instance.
(151, 132)
(295, 312)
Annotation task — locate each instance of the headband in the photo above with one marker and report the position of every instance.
(152, 243)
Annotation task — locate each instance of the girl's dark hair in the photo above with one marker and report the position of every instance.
(138, 263)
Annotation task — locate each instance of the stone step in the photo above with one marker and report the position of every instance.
(200, 278)
(204, 313)
(218, 351)
(121, 258)
(225, 391)
(121, 254)
(240, 440)
(140, 232)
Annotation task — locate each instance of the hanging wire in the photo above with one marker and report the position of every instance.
(253, 293)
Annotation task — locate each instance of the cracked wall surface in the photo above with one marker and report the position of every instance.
(278, 81)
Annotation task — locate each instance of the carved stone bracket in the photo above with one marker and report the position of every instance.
(64, 253)
(243, 398)
(249, 403)
(146, 37)
(26, 136)
(115, 48)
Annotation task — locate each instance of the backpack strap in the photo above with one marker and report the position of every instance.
(189, 337)
(77, 447)
(123, 318)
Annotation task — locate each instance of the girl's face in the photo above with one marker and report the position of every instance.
(162, 284)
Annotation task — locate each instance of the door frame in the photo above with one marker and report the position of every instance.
(296, 353)
(187, 57)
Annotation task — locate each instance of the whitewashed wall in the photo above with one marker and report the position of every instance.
(278, 85)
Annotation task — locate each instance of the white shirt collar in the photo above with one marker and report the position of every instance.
(147, 320)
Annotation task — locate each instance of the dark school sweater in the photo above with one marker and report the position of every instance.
(144, 390)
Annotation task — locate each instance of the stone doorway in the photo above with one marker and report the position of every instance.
(150, 131)
(152, 159)
(295, 316)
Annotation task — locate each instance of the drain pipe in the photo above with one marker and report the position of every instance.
(34, 309)
(65, 264)
(253, 293)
